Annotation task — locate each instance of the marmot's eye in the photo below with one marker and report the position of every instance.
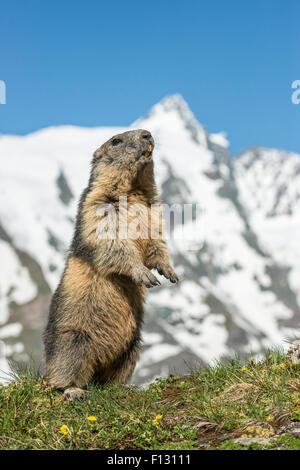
(116, 141)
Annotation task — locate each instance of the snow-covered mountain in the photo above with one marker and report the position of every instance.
(239, 289)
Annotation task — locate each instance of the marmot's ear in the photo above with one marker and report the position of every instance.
(97, 153)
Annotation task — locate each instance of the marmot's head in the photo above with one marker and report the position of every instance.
(131, 151)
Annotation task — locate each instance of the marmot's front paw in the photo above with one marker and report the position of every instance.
(168, 272)
(145, 276)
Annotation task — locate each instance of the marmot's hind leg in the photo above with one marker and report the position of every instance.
(70, 365)
(122, 369)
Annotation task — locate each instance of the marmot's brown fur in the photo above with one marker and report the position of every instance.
(93, 332)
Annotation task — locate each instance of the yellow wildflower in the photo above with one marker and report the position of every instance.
(157, 418)
(282, 366)
(64, 430)
(258, 431)
(244, 368)
(92, 418)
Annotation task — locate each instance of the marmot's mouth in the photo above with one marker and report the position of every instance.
(148, 152)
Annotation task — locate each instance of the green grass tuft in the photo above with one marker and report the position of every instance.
(209, 408)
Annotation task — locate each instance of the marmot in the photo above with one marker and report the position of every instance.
(94, 327)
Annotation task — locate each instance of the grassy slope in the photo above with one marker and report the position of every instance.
(206, 409)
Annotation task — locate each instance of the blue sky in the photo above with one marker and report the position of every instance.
(96, 63)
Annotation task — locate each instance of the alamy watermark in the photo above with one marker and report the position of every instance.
(296, 94)
(2, 92)
(181, 223)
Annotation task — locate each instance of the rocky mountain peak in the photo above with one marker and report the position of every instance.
(239, 277)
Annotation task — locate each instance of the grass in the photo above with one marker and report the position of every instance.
(209, 408)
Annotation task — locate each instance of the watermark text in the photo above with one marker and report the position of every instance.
(2, 92)
(296, 94)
